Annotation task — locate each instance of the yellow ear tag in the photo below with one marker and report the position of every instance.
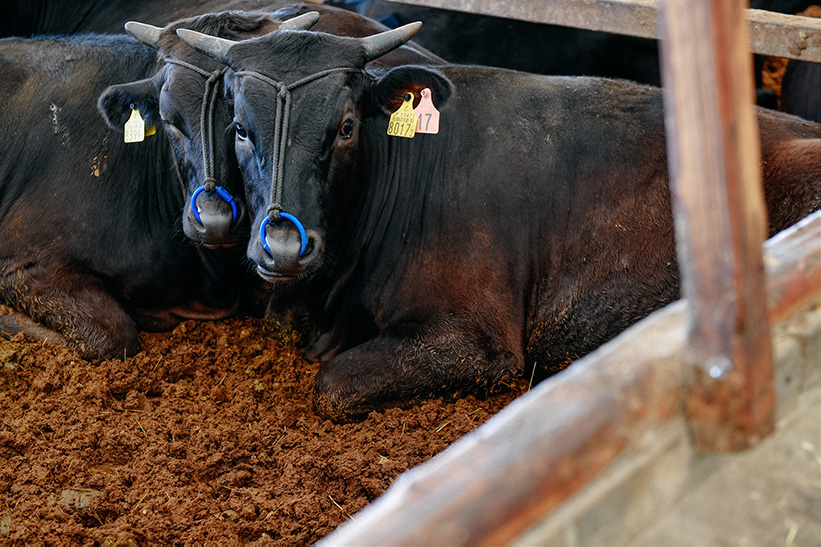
(151, 130)
(134, 127)
(403, 121)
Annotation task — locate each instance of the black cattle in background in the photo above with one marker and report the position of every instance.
(469, 38)
(550, 49)
(532, 228)
(801, 84)
(782, 6)
(801, 90)
(32, 17)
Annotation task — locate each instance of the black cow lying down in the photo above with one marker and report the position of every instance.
(533, 227)
(91, 245)
(185, 98)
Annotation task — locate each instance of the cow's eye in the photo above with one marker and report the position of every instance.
(346, 130)
(241, 134)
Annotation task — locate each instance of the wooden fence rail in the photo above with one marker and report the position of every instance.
(718, 203)
(773, 34)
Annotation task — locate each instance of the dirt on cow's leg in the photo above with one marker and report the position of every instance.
(403, 366)
(77, 307)
(12, 322)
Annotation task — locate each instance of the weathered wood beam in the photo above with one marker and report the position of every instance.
(631, 17)
(793, 264)
(495, 482)
(787, 36)
(718, 203)
(770, 33)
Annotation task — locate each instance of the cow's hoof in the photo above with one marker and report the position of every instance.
(102, 350)
(337, 398)
(328, 407)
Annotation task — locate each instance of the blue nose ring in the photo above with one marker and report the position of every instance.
(303, 237)
(221, 192)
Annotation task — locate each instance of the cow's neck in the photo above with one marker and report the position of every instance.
(392, 215)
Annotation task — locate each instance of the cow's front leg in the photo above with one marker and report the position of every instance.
(75, 305)
(401, 366)
(12, 322)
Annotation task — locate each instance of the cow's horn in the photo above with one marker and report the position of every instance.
(300, 22)
(147, 34)
(379, 44)
(210, 45)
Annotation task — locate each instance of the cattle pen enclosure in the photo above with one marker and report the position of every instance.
(700, 425)
(602, 450)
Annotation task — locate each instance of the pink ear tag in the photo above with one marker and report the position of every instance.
(428, 115)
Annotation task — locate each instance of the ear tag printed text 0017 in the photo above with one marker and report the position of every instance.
(428, 115)
(403, 121)
(135, 130)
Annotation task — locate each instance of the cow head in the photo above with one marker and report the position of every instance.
(302, 104)
(185, 99)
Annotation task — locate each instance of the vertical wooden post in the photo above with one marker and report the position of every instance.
(714, 158)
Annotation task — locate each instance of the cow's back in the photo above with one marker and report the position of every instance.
(791, 167)
(548, 196)
(65, 176)
(75, 197)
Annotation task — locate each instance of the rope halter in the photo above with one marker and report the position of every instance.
(282, 120)
(209, 100)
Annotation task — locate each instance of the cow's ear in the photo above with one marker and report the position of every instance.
(116, 102)
(385, 95)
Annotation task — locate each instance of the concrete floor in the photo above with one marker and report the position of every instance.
(768, 495)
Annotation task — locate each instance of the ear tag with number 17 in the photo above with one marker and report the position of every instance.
(428, 115)
(403, 121)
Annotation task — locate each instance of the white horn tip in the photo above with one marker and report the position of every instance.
(145, 33)
(301, 22)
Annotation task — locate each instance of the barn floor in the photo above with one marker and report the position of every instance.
(206, 437)
(769, 495)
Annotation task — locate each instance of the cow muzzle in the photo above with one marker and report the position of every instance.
(285, 250)
(213, 218)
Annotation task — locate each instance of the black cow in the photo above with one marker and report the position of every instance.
(188, 87)
(34, 17)
(532, 228)
(90, 244)
(109, 252)
(801, 90)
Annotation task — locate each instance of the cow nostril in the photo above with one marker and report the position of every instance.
(309, 247)
(222, 193)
